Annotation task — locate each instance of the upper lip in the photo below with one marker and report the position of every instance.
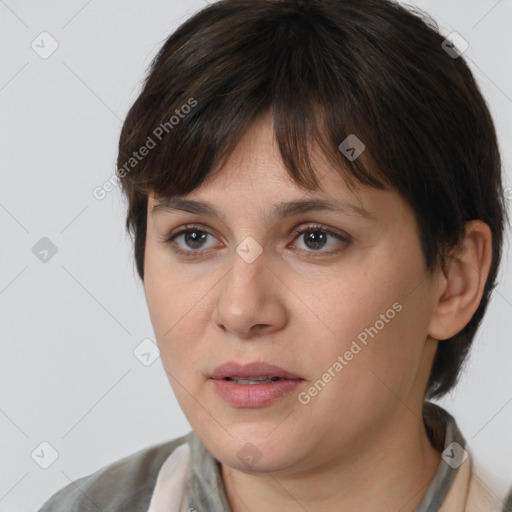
(254, 369)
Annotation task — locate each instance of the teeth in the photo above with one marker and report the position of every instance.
(253, 380)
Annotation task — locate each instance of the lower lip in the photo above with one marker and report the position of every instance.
(254, 395)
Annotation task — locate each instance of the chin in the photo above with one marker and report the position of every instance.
(252, 450)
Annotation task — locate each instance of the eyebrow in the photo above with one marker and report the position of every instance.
(279, 210)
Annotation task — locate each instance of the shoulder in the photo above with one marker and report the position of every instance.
(126, 484)
(487, 492)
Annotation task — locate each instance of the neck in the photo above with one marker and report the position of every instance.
(390, 473)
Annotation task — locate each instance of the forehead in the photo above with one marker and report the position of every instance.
(254, 176)
(281, 209)
(255, 167)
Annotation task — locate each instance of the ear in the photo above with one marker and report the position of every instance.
(462, 282)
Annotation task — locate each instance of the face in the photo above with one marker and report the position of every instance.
(344, 307)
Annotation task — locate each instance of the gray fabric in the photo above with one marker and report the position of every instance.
(127, 485)
(442, 431)
(123, 486)
(205, 488)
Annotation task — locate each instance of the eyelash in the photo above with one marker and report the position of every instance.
(299, 231)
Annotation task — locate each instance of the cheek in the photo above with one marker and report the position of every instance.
(167, 293)
(159, 302)
(378, 328)
(176, 333)
(178, 313)
(374, 366)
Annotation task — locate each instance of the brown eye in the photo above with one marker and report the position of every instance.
(193, 240)
(316, 237)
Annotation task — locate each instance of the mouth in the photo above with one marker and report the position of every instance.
(253, 385)
(253, 380)
(252, 373)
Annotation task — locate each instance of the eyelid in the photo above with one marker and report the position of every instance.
(180, 230)
(321, 227)
(301, 228)
(304, 227)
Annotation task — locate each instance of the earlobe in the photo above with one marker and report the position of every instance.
(463, 282)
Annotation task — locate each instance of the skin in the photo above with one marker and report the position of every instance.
(359, 444)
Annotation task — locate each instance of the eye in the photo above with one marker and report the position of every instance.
(315, 237)
(193, 237)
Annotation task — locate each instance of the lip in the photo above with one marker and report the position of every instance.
(253, 395)
(253, 369)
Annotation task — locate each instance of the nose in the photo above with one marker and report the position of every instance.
(252, 297)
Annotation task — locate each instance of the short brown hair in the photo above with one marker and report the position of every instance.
(325, 69)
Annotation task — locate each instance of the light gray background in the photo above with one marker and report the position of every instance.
(69, 326)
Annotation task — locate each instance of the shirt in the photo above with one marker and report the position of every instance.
(181, 475)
